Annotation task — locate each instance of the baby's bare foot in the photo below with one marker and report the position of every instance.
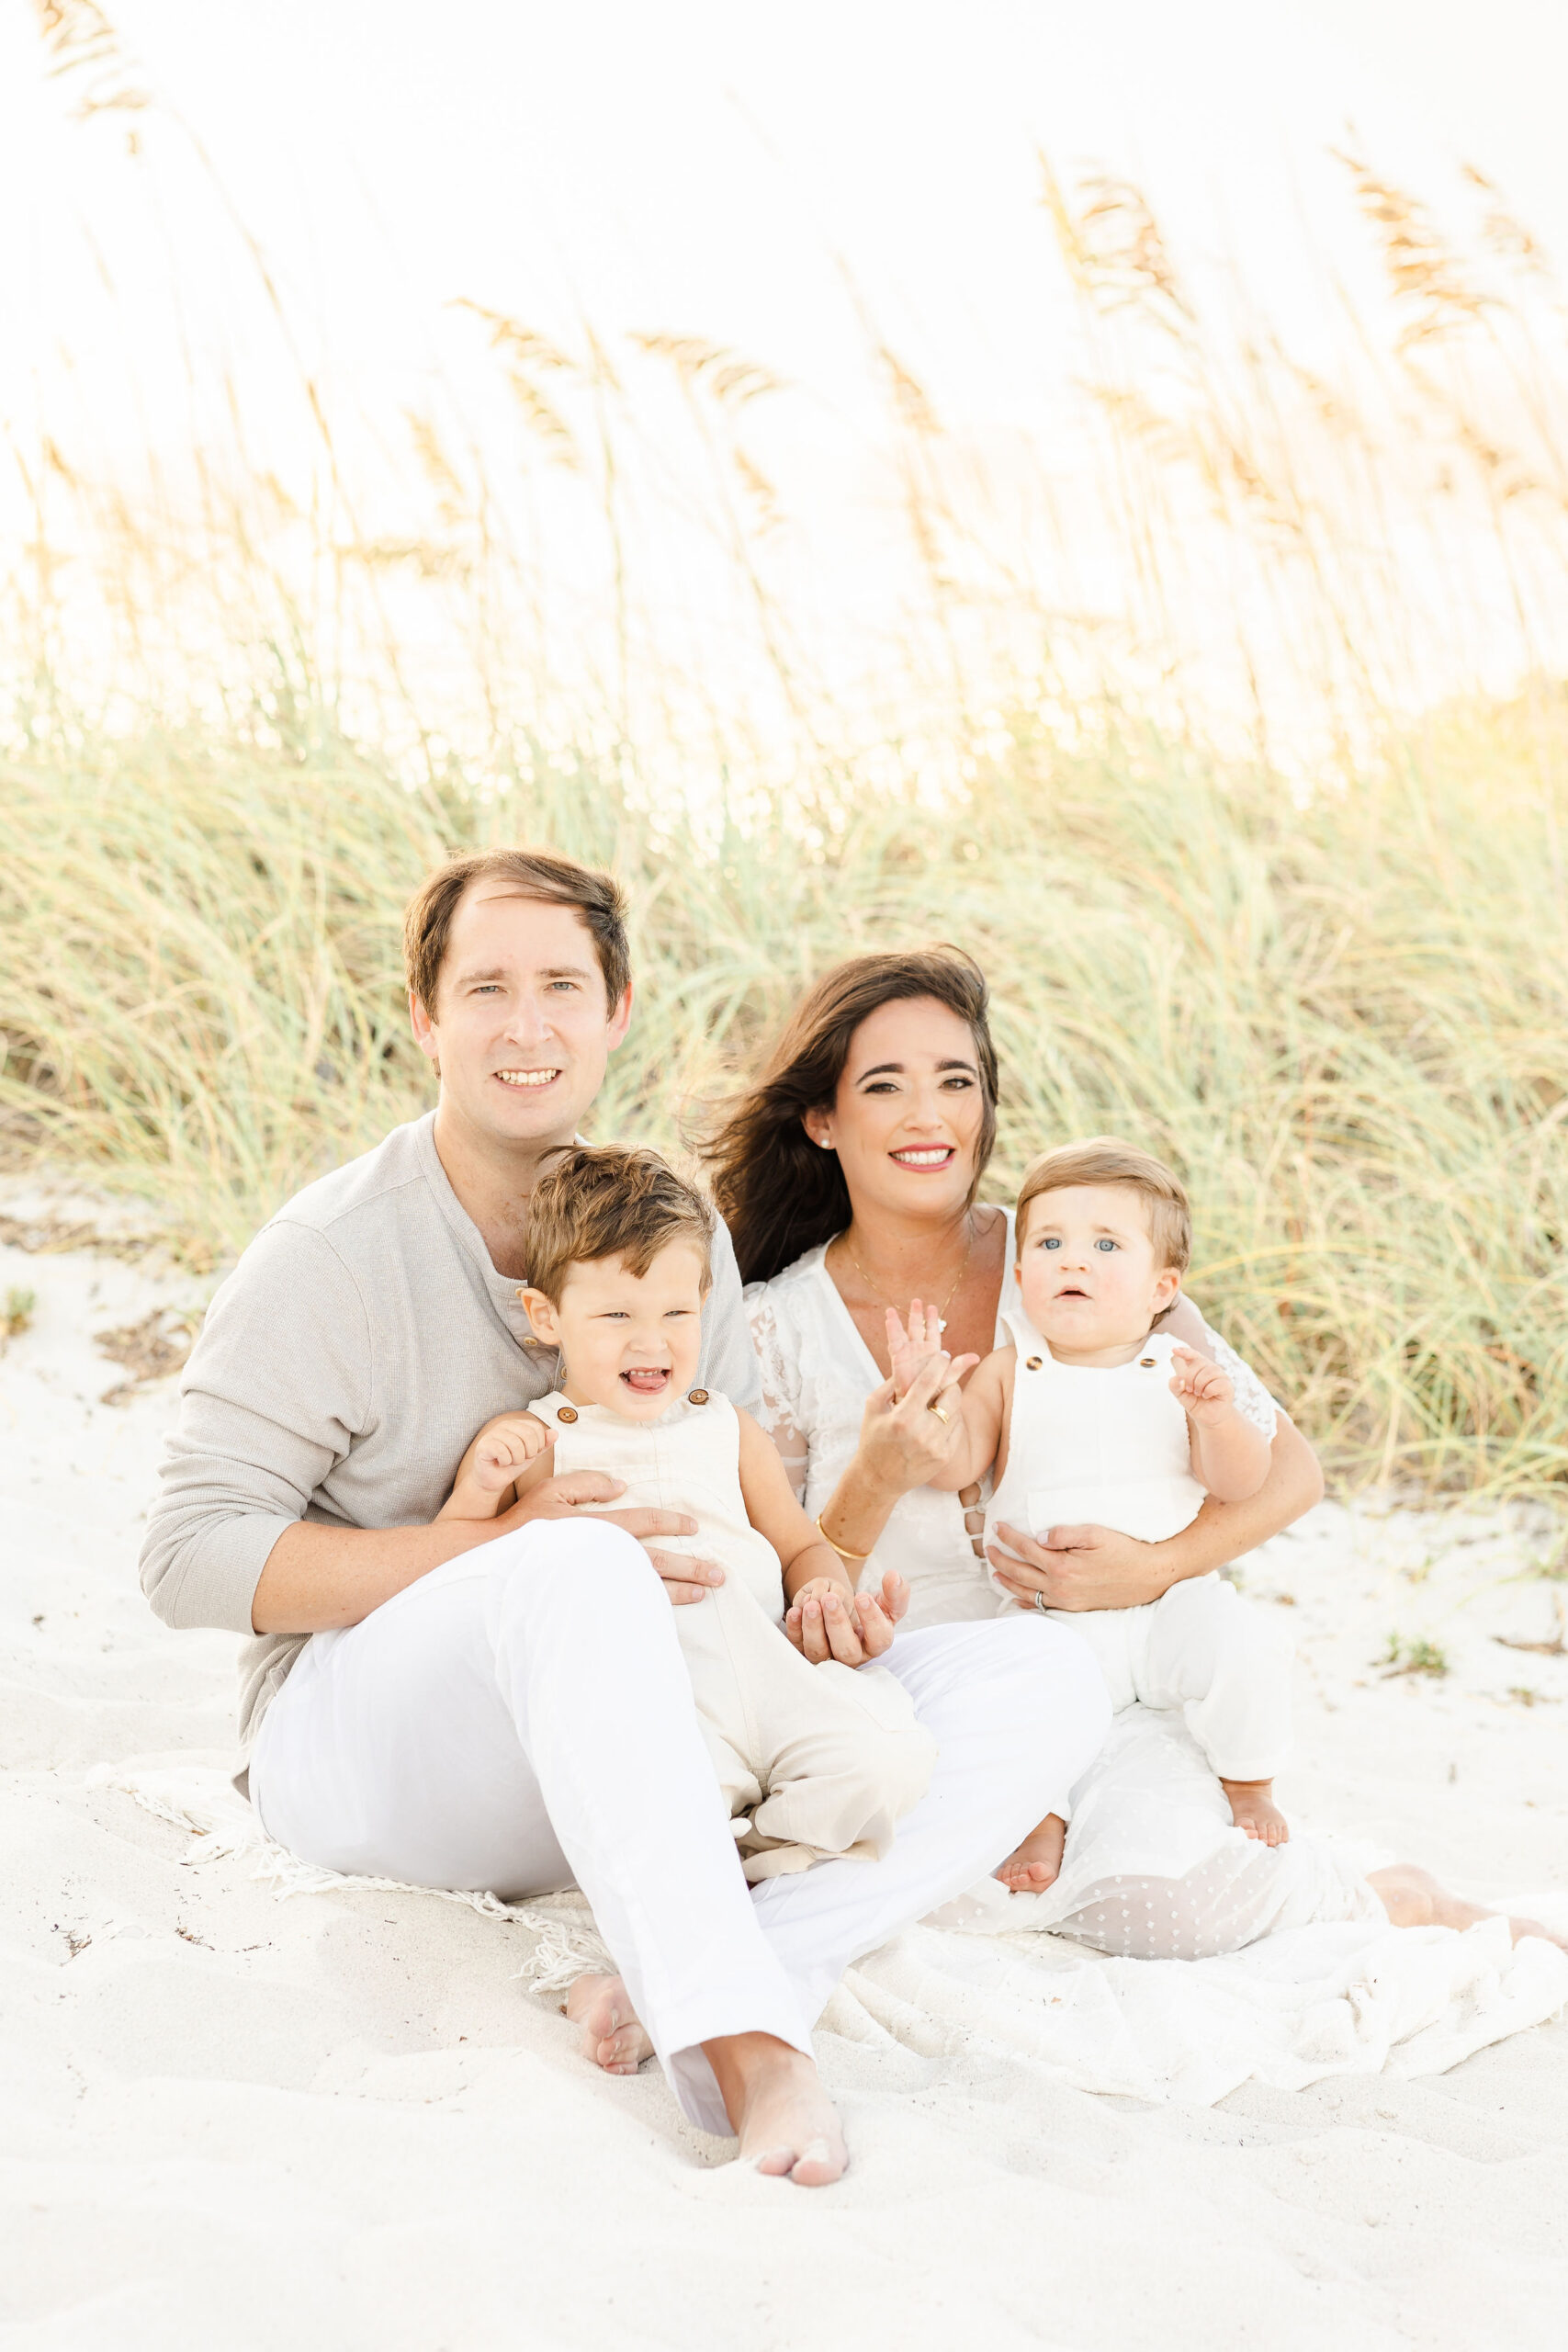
(612, 2035)
(784, 2118)
(1253, 1809)
(1035, 1865)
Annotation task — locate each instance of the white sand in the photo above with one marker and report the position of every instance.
(237, 2121)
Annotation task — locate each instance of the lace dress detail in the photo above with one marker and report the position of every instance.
(1155, 1869)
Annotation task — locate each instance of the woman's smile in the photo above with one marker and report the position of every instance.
(921, 1156)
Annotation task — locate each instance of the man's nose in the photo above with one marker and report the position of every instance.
(526, 1020)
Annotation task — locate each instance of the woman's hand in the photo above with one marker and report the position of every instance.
(911, 1423)
(827, 1623)
(1081, 1568)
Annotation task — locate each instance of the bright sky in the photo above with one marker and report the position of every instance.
(698, 168)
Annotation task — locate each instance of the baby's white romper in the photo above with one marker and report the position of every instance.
(814, 1762)
(1112, 1447)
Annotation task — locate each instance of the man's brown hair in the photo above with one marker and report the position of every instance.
(539, 874)
(1106, 1159)
(601, 1201)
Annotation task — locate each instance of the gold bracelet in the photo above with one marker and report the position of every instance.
(843, 1554)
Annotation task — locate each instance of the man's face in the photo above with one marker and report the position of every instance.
(521, 1028)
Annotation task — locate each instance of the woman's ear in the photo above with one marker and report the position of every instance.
(818, 1125)
(541, 1314)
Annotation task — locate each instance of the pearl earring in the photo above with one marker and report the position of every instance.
(826, 1144)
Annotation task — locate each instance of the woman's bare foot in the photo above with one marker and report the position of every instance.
(1035, 1865)
(1253, 1809)
(1414, 1898)
(612, 2035)
(782, 2117)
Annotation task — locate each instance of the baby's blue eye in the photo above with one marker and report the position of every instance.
(1051, 1241)
(1105, 1245)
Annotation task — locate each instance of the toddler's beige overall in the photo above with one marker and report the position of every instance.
(814, 1762)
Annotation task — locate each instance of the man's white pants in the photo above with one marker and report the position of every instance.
(522, 1720)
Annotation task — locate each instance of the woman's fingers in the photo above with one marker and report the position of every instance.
(842, 1630)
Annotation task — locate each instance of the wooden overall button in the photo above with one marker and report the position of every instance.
(697, 1397)
(1033, 1364)
(1148, 1364)
(566, 1413)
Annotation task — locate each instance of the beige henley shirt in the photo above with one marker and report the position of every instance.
(342, 1371)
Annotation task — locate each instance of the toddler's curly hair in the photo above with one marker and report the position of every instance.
(603, 1201)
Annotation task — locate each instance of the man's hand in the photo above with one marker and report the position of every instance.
(1079, 1567)
(824, 1622)
(583, 1494)
(1201, 1388)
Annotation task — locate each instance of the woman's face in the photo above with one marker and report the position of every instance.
(905, 1121)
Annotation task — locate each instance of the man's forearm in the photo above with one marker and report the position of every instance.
(318, 1579)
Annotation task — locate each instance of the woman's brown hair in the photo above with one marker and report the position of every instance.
(776, 1190)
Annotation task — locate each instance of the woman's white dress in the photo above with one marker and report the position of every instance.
(1154, 1868)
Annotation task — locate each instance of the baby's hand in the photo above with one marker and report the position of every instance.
(909, 1350)
(502, 1450)
(1201, 1388)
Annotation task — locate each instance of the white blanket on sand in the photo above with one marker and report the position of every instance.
(1311, 2002)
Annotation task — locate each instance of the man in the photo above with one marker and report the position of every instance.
(505, 1705)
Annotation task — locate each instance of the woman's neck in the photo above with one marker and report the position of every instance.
(893, 1251)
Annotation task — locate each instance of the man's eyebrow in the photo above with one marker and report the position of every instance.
(548, 972)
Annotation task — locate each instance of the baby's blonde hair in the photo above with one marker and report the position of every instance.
(1106, 1159)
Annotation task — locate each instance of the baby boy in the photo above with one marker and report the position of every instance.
(814, 1761)
(1092, 1414)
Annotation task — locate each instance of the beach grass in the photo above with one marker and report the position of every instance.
(1344, 1016)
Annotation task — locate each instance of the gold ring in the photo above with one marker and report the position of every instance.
(934, 1407)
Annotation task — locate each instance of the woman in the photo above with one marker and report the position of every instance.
(848, 1177)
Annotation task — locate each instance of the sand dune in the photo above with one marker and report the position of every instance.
(339, 2120)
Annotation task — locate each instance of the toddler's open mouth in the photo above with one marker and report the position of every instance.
(647, 1379)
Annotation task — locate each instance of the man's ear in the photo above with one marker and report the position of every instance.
(541, 1314)
(621, 1018)
(424, 1035)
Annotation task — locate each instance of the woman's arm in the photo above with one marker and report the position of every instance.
(903, 1444)
(1094, 1567)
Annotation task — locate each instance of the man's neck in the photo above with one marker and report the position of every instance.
(494, 1182)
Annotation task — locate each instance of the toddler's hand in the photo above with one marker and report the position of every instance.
(909, 1349)
(1201, 1387)
(504, 1450)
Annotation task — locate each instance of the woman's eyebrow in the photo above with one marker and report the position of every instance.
(895, 1069)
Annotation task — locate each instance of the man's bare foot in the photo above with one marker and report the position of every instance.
(612, 2034)
(1035, 1865)
(782, 2117)
(1414, 1898)
(1253, 1809)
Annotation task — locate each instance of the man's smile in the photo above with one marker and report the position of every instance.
(527, 1077)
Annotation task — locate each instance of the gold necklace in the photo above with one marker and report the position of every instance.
(882, 1297)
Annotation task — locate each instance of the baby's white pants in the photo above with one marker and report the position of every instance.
(522, 1720)
(1203, 1648)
